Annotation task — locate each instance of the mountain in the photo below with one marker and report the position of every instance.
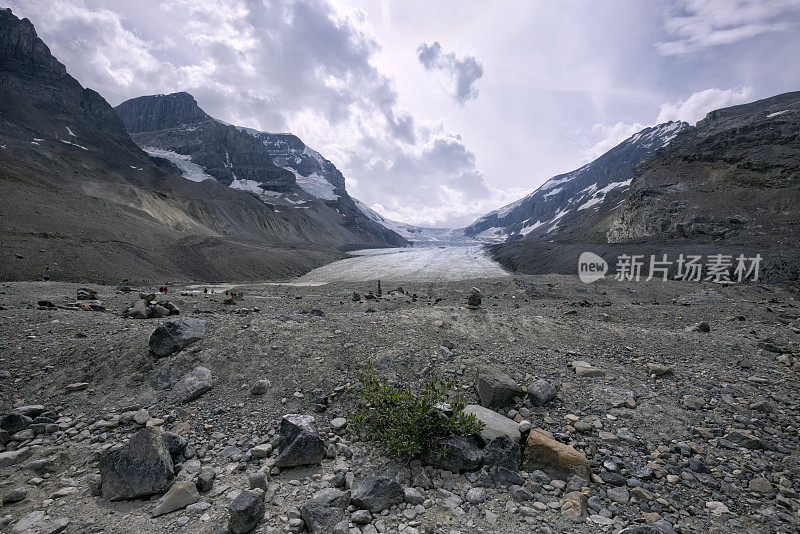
(730, 185)
(576, 202)
(278, 168)
(81, 196)
(735, 177)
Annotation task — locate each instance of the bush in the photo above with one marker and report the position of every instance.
(405, 422)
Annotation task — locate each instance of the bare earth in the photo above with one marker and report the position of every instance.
(740, 376)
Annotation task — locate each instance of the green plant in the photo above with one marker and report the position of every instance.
(407, 422)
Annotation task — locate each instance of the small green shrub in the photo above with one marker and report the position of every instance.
(405, 422)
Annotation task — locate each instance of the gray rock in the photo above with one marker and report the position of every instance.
(179, 496)
(299, 443)
(15, 422)
(496, 389)
(456, 454)
(140, 310)
(191, 386)
(476, 495)
(361, 517)
(495, 425)
(16, 495)
(499, 476)
(257, 479)
(619, 495)
(175, 335)
(378, 490)
(205, 479)
(31, 410)
(586, 369)
(140, 468)
(502, 451)
(246, 510)
(260, 387)
(8, 458)
(412, 496)
(324, 510)
(541, 392)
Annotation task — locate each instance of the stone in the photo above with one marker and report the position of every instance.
(257, 479)
(574, 506)
(457, 454)
(140, 310)
(619, 495)
(377, 490)
(14, 422)
(546, 453)
(180, 495)
(140, 468)
(30, 410)
(412, 496)
(299, 442)
(658, 527)
(717, 508)
(496, 389)
(324, 510)
(141, 417)
(474, 299)
(86, 293)
(499, 476)
(541, 392)
(338, 424)
(504, 452)
(260, 387)
(476, 496)
(361, 517)
(261, 451)
(761, 485)
(38, 522)
(16, 495)
(175, 335)
(246, 510)
(205, 479)
(495, 425)
(76, 386)
(658, 369)
(586, 369)
(159, 311)
(693, 402)
(9, 458)
(191, 386)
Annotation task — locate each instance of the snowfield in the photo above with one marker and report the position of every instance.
(424, 264)
(190, 171)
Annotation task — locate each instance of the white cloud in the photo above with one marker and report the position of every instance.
(695, 107)
(698, 24)
(465, 71)
(610, 136)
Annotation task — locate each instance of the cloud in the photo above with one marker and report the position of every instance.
(464, 71)
(610, 136)
(695, 107)
(698, 24)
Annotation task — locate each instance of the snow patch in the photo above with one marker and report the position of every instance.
(74, 144)
(315, 185)
(777, 113)
(190, 171)
(70, 132)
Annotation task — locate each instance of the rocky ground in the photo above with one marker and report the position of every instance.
(681, 412)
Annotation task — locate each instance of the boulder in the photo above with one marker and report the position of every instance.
(299, 442)
(541, 392)
(324, 510)
(503, 452)
(260, 387)
(246, 510)
(573, 506)
(457, 454)
(496, 389)
(545, 453)
(140, 468)
(378, 490)
(86, 293)
(495, 425)
(175, 335)
(14, 422)
(191, 386)
(8, 458)
(179, 496)
(140, 310)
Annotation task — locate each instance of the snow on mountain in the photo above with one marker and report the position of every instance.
(190, 171)
(563, 202)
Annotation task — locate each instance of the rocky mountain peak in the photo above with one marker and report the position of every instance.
(160, 112)
(21, 50)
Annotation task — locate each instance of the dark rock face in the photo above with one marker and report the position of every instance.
(140, 468)
(246, 510)
(176, 335)
(571, 203)
(191, 386)
(503, 452)
(324, 510)
(15, 422)
(299, 443)
(378, 490)
(735, 177)
(456, 454)
(160, 112)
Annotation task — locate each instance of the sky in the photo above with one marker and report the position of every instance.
(436, 112)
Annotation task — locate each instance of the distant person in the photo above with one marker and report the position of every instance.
(165, 289)
(205, 290)
(46, 274)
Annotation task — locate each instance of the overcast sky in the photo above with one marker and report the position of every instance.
(435, 111)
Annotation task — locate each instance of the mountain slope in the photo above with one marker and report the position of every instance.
(575, 202)
(730, 185)
(278, 168)
(79, 194)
